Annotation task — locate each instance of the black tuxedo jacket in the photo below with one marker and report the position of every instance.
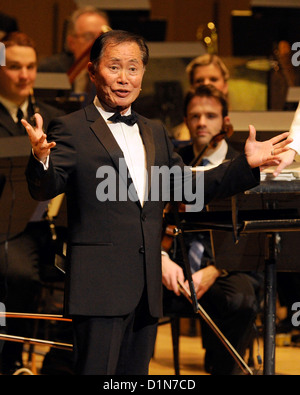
(114, 246)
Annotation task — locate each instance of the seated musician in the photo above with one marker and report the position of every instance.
(231, 299)
(17, 79)
(84, 25)
(21, 258)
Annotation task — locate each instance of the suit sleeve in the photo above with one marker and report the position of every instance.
(46, 184)
(228, 179)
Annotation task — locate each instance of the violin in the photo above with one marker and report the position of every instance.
(227, 132)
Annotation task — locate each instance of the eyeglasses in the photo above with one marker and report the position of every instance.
(89, 36)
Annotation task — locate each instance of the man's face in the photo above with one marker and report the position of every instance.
(210, 75)
(88, 27)
(18, 76)
(119, 74)
(204, 119)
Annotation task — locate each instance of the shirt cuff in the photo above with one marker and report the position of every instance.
(45, 164)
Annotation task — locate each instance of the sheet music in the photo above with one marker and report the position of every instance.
(290, 173)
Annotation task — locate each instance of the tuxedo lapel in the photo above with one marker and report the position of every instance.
(147, 137)
(107, 140)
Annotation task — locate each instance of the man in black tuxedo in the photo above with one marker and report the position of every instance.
(113, 273)
(231, 299)
(21, 260)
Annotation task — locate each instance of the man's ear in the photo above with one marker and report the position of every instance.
(226, 121)
(91, 70)
(227, 126)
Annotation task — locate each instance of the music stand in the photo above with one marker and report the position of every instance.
(268, 221)
(278, 220)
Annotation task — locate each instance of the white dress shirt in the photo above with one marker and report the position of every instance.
(217, 156)
(131, 144)
(295, 131)
(12, 108)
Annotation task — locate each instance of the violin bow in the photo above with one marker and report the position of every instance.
(240, 361)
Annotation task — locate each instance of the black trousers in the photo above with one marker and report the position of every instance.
(120, 345)
(233, 303)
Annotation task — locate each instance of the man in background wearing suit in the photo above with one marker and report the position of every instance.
(21, 259)
(113, 271)
(83, 27)
(230, 298)
(17, 79)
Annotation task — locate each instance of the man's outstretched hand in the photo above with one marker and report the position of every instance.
(38, 139)
(265, 153)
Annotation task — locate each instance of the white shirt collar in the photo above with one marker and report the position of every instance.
(218, 156)
(12, 107)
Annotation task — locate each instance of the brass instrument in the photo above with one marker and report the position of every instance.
(209, 36)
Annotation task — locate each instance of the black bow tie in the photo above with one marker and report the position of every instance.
(128, 119)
